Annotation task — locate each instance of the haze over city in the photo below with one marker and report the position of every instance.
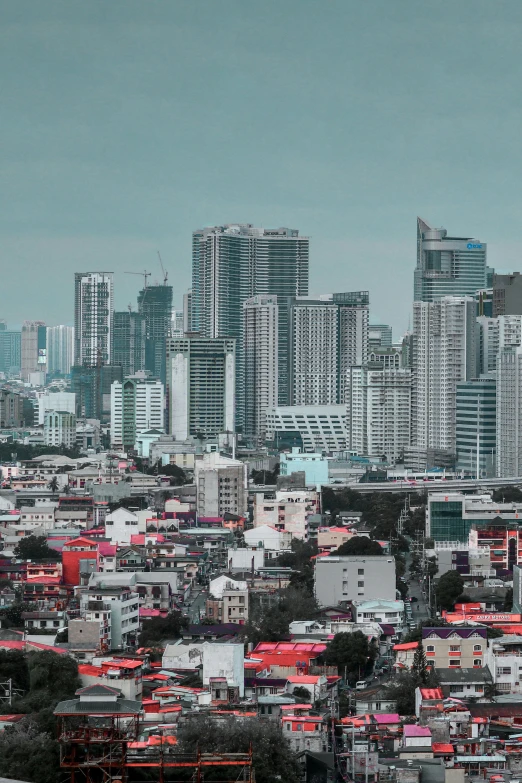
(126, 125)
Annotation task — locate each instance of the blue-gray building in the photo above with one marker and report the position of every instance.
(476, 426)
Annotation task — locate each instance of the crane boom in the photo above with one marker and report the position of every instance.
(144, 274)
(165, 274)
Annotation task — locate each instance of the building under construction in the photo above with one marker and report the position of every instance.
(101, 741)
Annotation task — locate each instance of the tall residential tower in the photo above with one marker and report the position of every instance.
(93, 318)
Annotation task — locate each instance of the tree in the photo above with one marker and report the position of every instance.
(53, 484)
(272, 756)
(29, 754)
(177, 475)
(12, 615)
(448, 589)
(351, 653)
(300, 559)
(35, 548)
(271, 623)
(359, 545)
(303, 694)
(155, 630)
(403, 690)
(420, 664)
(267, 477)
(416, 634)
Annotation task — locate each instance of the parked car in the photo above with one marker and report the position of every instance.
(360, 685)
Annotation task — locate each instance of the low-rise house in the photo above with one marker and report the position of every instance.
(404, 654)
(380, 611)
(465, 682)
(416, 742)
(273, 541)
(304, 731)
(374, 701)
(35, 622)
(504, 659)
(316, 684)
(125, 674)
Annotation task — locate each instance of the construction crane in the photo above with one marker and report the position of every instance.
(165, 274)
(145, 275)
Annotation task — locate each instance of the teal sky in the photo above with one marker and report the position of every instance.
(125, 124)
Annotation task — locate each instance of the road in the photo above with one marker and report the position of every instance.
(419, 607)
(195, 606)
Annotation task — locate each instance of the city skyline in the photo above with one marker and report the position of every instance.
(115, 156)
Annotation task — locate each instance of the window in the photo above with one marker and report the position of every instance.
(288, 727)
(503, 670)
(479, 689)
(430, 648)
(477, 662)
(360, 584)
(477, 647)
(454, 648)
(360, 571)
(454, 662)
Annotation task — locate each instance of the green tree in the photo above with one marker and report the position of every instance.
(272, 756)
(271, 623)
(26, 753)
(177, 475)
(359, 545)
(303, 694)
(157, 629)
(12, 615)
(35, 548)
(351, 653)
(420, 664)
(267, 477)
(448, 589)
(13, 666)
(403, 690)
(53, 484)
(415, 635)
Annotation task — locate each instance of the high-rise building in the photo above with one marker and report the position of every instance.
(155, 305)
(509, 412)
(128, 347)
(92, 386)
(137, 404)
(379, 336)
(476, 426)
(314, 352)
(311, 427)
(33, 348)
(234, 262)
(444, 354)
(11, 409)
(379, 411)
(60, 429)
(10, 352)
(260, 357)
(54, 401)
(187, 312)
(494, 334)
(221, 486)
(327, 336)
(447, 266)
(60, 349)
(201, 387)
(93, 318)
(176, 325)
(507, 294)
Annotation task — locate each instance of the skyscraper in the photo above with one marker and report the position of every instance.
(201, 387)
(444, 353)
(10, 351)
(326, 337)
(155, 305)
(260, 357)
(93, 318)
(129, 342)
(507, 294)
(234, 262)
(33, 348)
(60, 349)
(509, 412)
(476, 420)
(447, 266)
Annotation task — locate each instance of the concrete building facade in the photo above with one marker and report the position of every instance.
(354, 578)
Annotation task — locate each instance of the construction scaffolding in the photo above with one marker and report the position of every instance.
(106, 749)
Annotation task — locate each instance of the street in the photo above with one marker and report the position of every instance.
(195, 606)
(419, 608)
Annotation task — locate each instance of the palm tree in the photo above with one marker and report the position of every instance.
(53, 484)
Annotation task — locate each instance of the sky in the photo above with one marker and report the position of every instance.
(127, 124)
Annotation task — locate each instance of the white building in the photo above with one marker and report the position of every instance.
(225, 661)
(260, 363)
(116, 592)
(93, 317)
(245, 559)
(60, 349)
(321, 427)
(288, 511)
(55, 401)
(273, 541)
(504, 660)
(218, 586)
(509, 412)
(380, 611)
(137, 405)
(314, 362)
(379, 411)
(444, 353)
(354, 578)
(201, 387)
(221, 485)
(60, 429)
(121, 525)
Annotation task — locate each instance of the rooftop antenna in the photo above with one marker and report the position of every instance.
(165, 274)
